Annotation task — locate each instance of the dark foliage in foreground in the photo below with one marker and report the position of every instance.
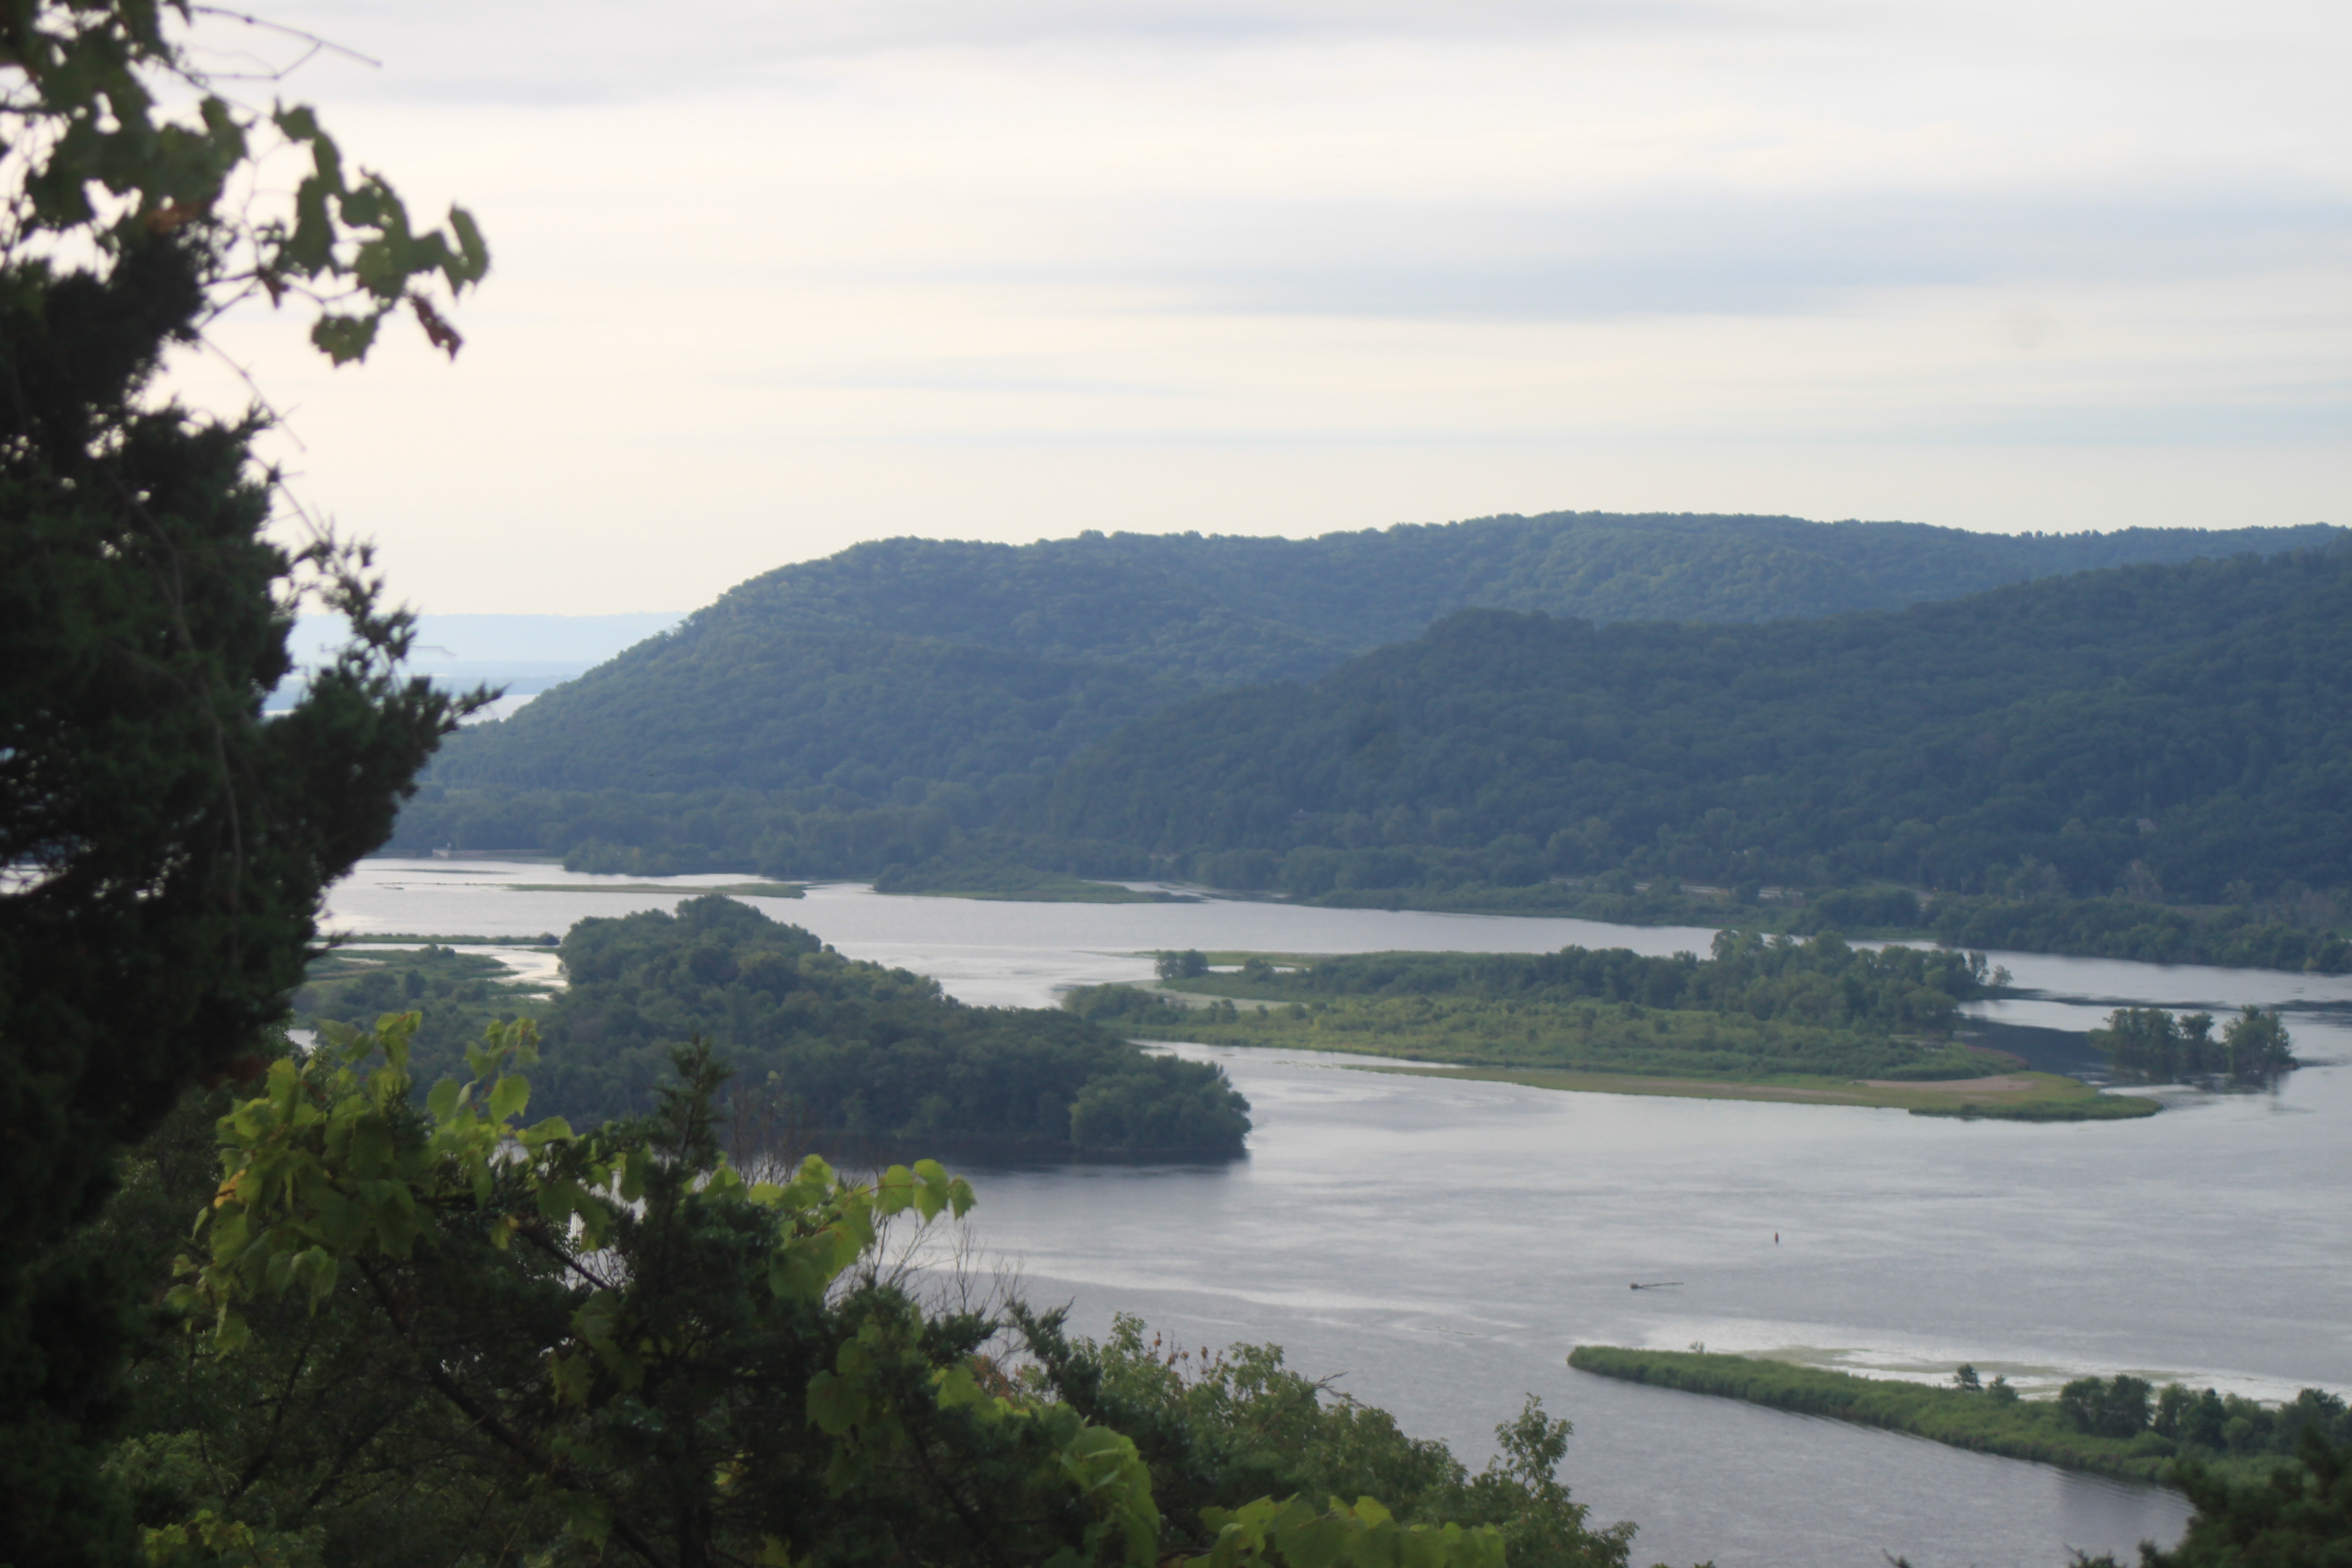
(615, 1347)
(1241, 1422)
(164, 844)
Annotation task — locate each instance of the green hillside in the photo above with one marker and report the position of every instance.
(1225, 610)
(2174, 729)
(935, 682)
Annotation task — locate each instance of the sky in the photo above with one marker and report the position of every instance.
(772, 277)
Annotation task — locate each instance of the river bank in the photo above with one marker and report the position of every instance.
(1793, 1038)
(1985, 1420)
(2007, 1097)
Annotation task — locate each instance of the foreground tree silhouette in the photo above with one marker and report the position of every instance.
(163, 845)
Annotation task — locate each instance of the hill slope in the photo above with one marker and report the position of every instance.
(2192, 719)
(913, 673)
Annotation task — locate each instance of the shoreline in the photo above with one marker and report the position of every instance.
(1974, 1418)
(2002, 1097)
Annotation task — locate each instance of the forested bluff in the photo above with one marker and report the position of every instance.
(2138, 761)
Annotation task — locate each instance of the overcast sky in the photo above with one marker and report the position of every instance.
(775, 276)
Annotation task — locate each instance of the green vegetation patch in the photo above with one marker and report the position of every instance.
(824, 1046)
(1756, 1010)
(727, 889)
(458, 995)
(1019, 884)
(2292, 934)
(1764, 1018)
(1242, 1420)
(2165, 1048)
(431, 938)
(2010, 1097)
(1990, 745)
(2084, 1104)
(2121, 1426)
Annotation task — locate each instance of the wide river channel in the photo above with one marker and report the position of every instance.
(1439, 1246)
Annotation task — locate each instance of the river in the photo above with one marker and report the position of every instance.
(1440, 1246)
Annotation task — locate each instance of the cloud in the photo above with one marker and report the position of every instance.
(538, 51)
(1718, 252)
(771, 278)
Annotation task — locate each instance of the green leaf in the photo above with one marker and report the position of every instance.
(473, 259)
(297, 122)
(508, 1096)
(574, 1377)
(587, 1516)
(958, 1388)
(344, 339)
(834, 1403)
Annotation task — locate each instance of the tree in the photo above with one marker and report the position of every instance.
(625, 1341)
(2299, 1518)
(2255, 1044)
(164, 844)
(1185, 965)
(1217, 1427)
(2116, 1407)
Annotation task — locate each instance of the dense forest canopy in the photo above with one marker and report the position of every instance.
(1227, 610)
(916, 676)
(839, 1045)
(2160, 729)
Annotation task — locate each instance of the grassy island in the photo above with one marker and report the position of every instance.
(1016, 884)
(1762, 1018)
(2121, 1426)
(729, 889)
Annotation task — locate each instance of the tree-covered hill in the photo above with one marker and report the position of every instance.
(848, 713)
(839, 1047)
(912, 673)
(1223, 610)
(2175, 727)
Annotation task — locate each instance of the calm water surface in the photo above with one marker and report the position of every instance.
(1442, 1245)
